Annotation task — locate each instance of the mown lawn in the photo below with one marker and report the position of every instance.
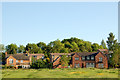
(60, 73)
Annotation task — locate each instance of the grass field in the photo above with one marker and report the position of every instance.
(60, 73)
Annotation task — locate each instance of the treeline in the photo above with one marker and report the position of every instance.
(65, 46)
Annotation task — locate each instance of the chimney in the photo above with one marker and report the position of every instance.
(5, 53)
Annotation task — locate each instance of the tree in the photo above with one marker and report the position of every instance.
(88, 47)
(56, 46)
(42, 45)
(95, 47)
(1, 47)
(11, 49)
(64, 60)
(75, 47)
(114, 60)
(33, 48)
(103, 44)
(21, 49)
(111, 41)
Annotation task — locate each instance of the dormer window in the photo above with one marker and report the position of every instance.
(100, 59)
(88, 57)
(92, 57)
(83, 57)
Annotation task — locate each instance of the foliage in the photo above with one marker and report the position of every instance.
(64, 60)
(111, 41)
(95, 47)
(11, 49)
(21, 49)
(103, 44)
(41, 63)
(1, 47)
(33, 48)
(115, 56)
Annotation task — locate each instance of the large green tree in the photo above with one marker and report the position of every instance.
(111, 41)
(103, 44)
(42, 45)
(95, 47)
(65, 60)
(33, 48)
(1, 47)
(114, 60)
(11, 49)
(21, 49)
(56, 46)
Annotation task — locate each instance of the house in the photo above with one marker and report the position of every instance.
(16, 60)
(90, 59)
(97, 59)
(21, 59)
(55, 58)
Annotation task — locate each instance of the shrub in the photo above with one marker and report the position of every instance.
(19, 67)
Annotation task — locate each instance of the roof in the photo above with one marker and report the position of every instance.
(87, 53)
(103, 50)
(61, 53)
(36, 54)
(19, 56)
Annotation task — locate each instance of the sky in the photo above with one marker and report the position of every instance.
(33, 22)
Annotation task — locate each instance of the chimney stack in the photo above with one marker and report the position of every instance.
(5, 53)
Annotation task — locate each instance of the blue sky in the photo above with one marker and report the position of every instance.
(47, 21)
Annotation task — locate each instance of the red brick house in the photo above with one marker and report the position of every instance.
(97, 59)
(84, 59)
(21, 59)
(89, 59)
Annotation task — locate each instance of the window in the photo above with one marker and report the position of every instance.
(92, 57)
(16, 60)
(42, 57)
(21, 61)
(76, 65)
(10, 60)
(83, 57)
(110, 55)
(53, 56)
(35, 56)
(76, 58)
(100, 58)
(88, 57)
(100, 65)
(90, 65)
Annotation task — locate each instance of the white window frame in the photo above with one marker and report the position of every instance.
(10, 61)
(100, 59)
(16, 61)
(83, 57)
(21, 61)
(92, 57)
(76, 58)
(88, 57)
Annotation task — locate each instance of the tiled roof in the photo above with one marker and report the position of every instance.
(19, 56)
(37, 54)
(87, 53)
(103, 50)
(61, 53)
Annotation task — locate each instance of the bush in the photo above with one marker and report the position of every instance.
(9, 67)
(19, 67)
